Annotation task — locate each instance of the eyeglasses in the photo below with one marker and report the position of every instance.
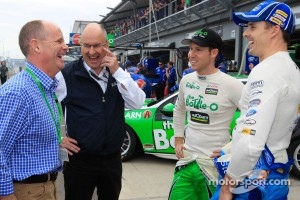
(95, 46)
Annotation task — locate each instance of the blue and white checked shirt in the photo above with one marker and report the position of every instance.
(28, 139)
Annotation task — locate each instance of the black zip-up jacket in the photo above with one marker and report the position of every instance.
(95, 119)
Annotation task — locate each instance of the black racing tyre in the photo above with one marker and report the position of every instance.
(294, 151)
(128, 148)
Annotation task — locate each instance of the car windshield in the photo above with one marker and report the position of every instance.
(151, 101)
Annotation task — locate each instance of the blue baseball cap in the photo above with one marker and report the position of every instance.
(132, 69)
(274, 12)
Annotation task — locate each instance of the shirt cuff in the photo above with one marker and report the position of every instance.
(6, 188)
(233, 176)
(120, 74)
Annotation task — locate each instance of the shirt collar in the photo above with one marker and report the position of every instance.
(104, 73)
(210, 76)
(47, 82)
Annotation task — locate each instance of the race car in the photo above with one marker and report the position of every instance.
(150, 130)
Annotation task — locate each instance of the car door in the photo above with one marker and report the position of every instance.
(163, 131)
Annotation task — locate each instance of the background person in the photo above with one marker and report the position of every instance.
(209, 99)
(142, 81)
(251, 62)
(3, 72)
(130, 67)
(187, 70)
(161, 84)
(29, 131)
(270, 101)
(95, 92)
(170, 77)
(221, 63)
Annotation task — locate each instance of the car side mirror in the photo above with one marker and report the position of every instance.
(168, 109)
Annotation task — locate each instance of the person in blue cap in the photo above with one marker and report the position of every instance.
(139, 76)
(251, 62)
(258, 162)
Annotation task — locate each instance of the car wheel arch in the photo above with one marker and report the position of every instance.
(294, 152)
(131, 144)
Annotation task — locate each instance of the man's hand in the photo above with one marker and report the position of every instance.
(179, 147)
(9, 197)
(225, 193)
(215, 154)
(110, 61)
(69, 144)
(228, 183)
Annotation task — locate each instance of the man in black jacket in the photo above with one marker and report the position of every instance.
(95, 92)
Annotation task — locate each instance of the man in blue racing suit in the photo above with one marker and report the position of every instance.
(269, 108)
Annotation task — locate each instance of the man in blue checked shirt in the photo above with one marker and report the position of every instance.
(30, 117)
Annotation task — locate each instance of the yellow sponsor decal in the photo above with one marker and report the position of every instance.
(248, 131)
(280, 170)
(276, 21)
(282, 13)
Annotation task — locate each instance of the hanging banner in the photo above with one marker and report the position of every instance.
(111, 40)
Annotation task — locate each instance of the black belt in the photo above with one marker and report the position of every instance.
(180, 167)
(39, 178)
